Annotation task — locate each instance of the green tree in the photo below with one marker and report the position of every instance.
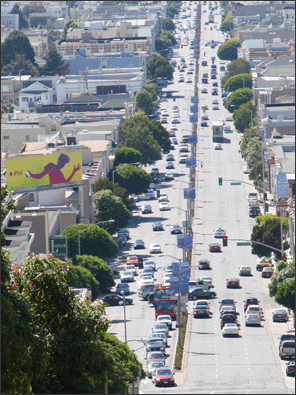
(117, 190)
(248, 135)
(159, 67)
(165, 40)
(53, 34)
(98, 268)
(172, 10)
(69, 23)
(32, 8)
(160, 134)
(17, 43)
(238, 81)
(55, 63)
(261, 219)
(168, 24)
(8, 107)
(94, 241)
(235, 99)
(144, 101)
(227, 24)
(135, 133)
(238, 66)
(286, 294)
(243, 116)
(152, 89)
(23, 23)
(256, 175)
(80, 277)
(283, 270)
(133, 179)
(253, 152)
(269, 234)
(107, 206)
(126, 155)
(228, 49)
(20, 64)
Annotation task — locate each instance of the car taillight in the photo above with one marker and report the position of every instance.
(258, 318)
(284, 315)
(207, 311)
(247, 319)
(194, 311)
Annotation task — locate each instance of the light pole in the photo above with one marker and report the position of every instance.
(84, 230)
(124, 316)
(121, 167)
(186, 212)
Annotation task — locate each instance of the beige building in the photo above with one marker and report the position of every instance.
(11, 87)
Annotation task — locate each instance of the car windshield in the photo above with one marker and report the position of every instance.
(228, 318)
(252, 301)
(280, 312)
(156, 364)
(160, 326)
(163, 372)
(253, 316)
(227, 302)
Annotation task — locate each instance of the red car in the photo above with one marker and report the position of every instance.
(163, 376)
(215, 247)
(232, 283)
(267, 272)
(132, 259)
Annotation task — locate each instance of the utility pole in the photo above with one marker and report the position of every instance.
(86, 79)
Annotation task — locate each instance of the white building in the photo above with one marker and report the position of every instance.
(35, 94)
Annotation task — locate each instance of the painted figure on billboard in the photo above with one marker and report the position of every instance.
(54, 171)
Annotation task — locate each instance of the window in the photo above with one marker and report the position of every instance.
(5, 137)
(31, 197)
(6, 88)
(27, 138)
(24, 99)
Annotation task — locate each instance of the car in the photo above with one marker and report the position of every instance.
(280, 315)
(149, 263)
(204, 90)
(125, 232)
(204, 264)
(227, 128)
(181, 79)
(228, 318)
(176, 229)
(122, 287)
(218, 146)
(254, 212)
(227, 302)
(267, 272)
(214, 92)
(183, 148)
(155, 248)
(230, 329)
(246, 170)
(252, 319)
(127, 276)
(262, 264)
(166, 319)
(155, 344)
(150, 193)
(163, 376)
(215, 107)
(207, 280)
(163, 197)
(219, 233)
(204, 81)
(167, 276)
(245, 271)
(146, 209)
(132, 260)
(164, 206)
(232, 283)
(163, 120)
(213, 76)
(155, 355)
(166, 281)
(169, 157)
(205, 117)
(254, 309)
(139, 244)
(215, 84)
(227, 310)
(116, 300)
(152, 186)
(132, 268)
(172, 133)
(202, 302)
(203, 124)
(152, 366)
(252, 301)
(182, 158)
(286, 336)
(169, 176)
(169, 165)
(162, 335)
(229, 118)
(215, 247)
(157, 226)
(175, 120)
(290, 368)
(198, 293)
(161, 327)
(147, 271)
(287, 349)
(201, 311)
(189, 80)
(205, 75)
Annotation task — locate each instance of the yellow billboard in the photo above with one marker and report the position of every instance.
(34, 171)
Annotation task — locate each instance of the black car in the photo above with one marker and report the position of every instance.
(204, 124)
(213, 77)
(198, 293)
(116, 300)
(155, 344)
(280, 316)
(249, 301)
(214, 92)
(201, 311)
(229, 318)
(204, 80)
(138, 244)
(254, 211)
(157, 226)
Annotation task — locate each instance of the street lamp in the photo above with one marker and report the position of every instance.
(121, 167)
(84, 230)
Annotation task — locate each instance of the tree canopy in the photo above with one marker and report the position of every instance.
(133, 179)
(228, 49)
(126, 155)
(94, 241)
(23, 23)
(227, 24)
(160, 134)
(286, 294)
(283, 270)
(172, 10)
(17, 43)
(235, 99)
(168, 24)
(159, 67)
(80, 277)
(243, 116)
(32, 8)
(152, 89)
(20, 65)
(144, 101)
(238, 66)
(117, 190)
(238, 81)
(55, 63)
(165, 40)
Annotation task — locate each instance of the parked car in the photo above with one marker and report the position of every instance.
(127, 276)
(132, 268)
(267, 272)
(286, 336)
(155, 355)
(290, 369)
(152, 366)
(116, 300)
(155, 344)
(166, 319)
(280, 315)
(287, 349)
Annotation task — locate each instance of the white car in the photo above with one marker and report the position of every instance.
(246, 170)
(183, 148)
(229, 118)
(165, 318)
(219, 233)
(164, 206)
(166, 281)
(145, 281)
(245, 270)
(149, 263)
(254, 309)
(226, 128)
(126, 276)
(218, 146)
(132, 269)
(182, 158)
(227, 308)
(163, 197)
(207, 280)
(155, 248)
(230, 330)
(215, 107)
(189, 80)
(164, 112)
(169, 176)
(167, 275)
(176, 120)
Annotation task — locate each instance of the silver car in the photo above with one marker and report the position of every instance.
(245, 271)
(252, 319)
(161, 327)
(152, 366)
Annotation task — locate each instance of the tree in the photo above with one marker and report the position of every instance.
(117, 190)
(286, 294)
(172, 10)
(159, 67)
(261, 219)
(160, 134)
(23, 23)
(248, 135)
(152, 89)
(165, 40)
(16, 43)
(239, 66)
(256, 173)
(55, 63)
(69, 23)
(238, 81)
(133, 179)
(80, 277)
(98, 268)
(135, 133)
(94, 241)
(227, 24)
(144, 101)
(243, 116)
(168, 24)
(107, 206)
(20, 64)
(228, 49)
(30, 8)
(8, 107)
(240, 96)
(53, 34)
(283, 270)
(253, 152)
(126, 155)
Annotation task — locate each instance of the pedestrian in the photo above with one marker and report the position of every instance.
(201, 164)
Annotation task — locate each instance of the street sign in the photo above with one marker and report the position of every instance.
(192, 139)
(189, 193)
(247, 243)
(184, 278)
(282, 202)
(282, 186)
(58, 246)
(190, 162)
(186, 224)
(235, 183)
(184, 241)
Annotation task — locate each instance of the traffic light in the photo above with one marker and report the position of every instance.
(284, 257)
(266, 207)
(225, 241)
(220, 180)
(265, 196)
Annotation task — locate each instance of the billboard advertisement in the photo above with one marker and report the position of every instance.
(282, 186)
(39, 170)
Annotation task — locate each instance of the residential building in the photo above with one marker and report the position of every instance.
(34, 94)
(10, 21)
(11, 86)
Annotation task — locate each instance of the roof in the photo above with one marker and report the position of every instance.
(85, 97)
(36, 88)
(117, 102)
